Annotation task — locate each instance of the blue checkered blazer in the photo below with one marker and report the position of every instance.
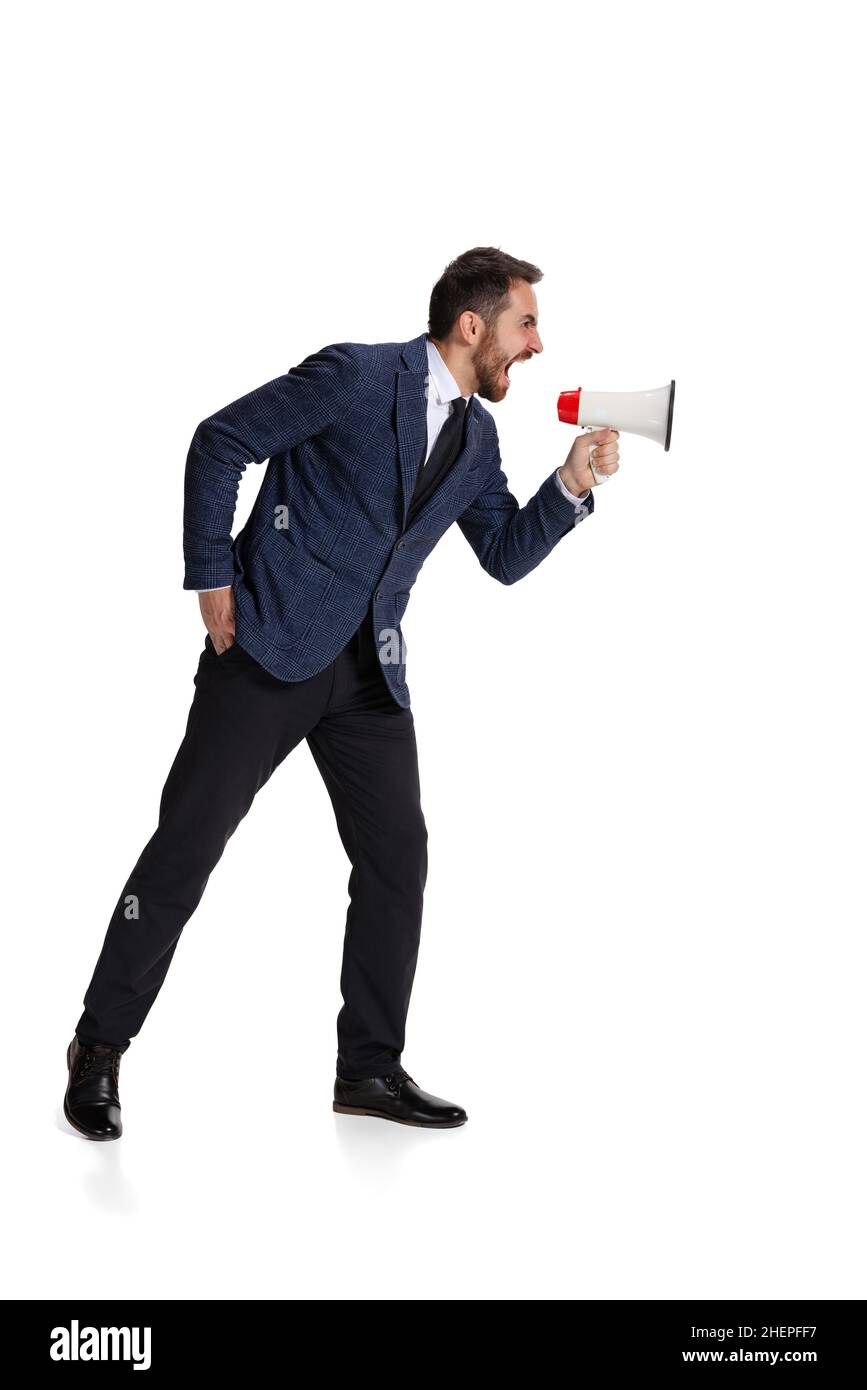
(345, 433)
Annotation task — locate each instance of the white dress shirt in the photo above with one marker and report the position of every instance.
(439, 408)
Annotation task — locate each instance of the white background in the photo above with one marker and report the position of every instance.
(642, 963)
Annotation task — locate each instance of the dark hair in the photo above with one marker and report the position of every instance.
(479, 280)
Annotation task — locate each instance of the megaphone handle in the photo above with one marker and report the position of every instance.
(600, 477)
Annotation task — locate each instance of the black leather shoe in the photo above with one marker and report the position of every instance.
(396, 1097)
(92, 1104)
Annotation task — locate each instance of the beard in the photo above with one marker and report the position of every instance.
(489, 362)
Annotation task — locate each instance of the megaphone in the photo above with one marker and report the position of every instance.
(648, 413)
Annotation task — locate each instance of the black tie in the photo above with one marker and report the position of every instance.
(448, 445)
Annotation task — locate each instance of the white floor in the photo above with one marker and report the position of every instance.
(649, 1012)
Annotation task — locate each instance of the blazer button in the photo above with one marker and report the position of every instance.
(379, 593)
(400, 545)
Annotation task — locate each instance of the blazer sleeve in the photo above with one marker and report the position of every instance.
(272, 418)
(511, 540)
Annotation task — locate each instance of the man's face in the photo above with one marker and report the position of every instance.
(513, 338)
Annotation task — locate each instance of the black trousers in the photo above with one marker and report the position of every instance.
(242, 723)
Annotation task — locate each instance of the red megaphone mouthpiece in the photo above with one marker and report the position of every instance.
(568, 404)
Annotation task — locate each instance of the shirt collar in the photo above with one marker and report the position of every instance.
(444, 384)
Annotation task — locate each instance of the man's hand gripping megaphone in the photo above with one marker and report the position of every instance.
(592, 459)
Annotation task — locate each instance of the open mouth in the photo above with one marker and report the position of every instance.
(508, 365)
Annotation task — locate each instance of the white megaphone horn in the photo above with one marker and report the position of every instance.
(649, 413)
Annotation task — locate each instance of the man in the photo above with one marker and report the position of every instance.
(374, 450)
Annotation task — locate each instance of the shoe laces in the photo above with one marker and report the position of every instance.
(394, 1079)
(99, 1061)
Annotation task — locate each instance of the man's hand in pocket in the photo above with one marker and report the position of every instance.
(218, 615)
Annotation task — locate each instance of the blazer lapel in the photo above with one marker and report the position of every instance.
(411, 414)
(411, 432)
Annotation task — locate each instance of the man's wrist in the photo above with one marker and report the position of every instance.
(571, 486)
